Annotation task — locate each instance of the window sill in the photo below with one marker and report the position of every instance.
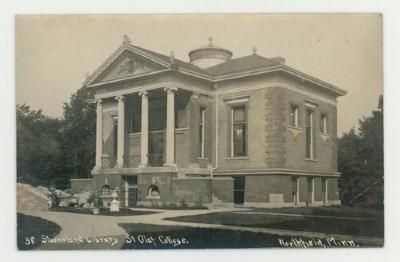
(153, 198)
(181, 128)
(238, 158)
(296, 128)
(310, 159)
(324, 136)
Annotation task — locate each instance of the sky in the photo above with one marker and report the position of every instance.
(55, 53)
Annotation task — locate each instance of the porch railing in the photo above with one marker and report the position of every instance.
(109, 161)
(132, 160)
(156, 159)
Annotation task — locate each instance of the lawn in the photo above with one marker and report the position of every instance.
(30, 230)
(372, 228)
(102, 211)
(145, 236)
(340, 211)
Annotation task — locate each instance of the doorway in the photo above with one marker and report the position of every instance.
(129, 191)
(238, 190)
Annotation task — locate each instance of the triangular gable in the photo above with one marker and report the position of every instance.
(123, 63)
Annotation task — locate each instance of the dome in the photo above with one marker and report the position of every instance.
(209, 55)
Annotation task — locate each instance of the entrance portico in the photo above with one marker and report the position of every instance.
(146, 126)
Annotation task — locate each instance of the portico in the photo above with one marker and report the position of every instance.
(158, 133)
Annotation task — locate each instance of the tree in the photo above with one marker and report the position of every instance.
(360, 160)
(37, 146)
(79, 135)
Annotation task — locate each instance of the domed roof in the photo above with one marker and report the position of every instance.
(213, 54)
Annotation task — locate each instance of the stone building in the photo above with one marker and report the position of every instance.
(218, 130)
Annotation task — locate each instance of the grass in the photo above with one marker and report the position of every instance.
(30, 230)
(145, 236)
(340, 211)
(102, 211)
(372, 228)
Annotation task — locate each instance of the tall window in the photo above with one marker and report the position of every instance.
(115, 147)
(135, 115)
(238, 129)
(323, 127)
(294, 116)
(201, 131)
(309, 134)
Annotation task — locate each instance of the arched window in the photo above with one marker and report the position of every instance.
(153, 192)
(105, 190)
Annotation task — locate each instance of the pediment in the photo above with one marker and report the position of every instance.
(126, 64)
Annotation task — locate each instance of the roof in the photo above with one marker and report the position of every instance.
(241, 64)
(166, 59)
(231, 66)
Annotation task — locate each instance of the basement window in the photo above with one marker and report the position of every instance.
(153, 192)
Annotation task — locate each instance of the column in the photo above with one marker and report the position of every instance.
(325, 185)
(99, 134)
(121, 131)
(297, 190)
(194, 118)
(144, 137)
(312, 191)
(170, 132)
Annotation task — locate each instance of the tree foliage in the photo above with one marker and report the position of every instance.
(360, 160)
(79, 135)
(37, 146)
(50, 151)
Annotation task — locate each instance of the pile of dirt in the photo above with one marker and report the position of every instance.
(32, 198)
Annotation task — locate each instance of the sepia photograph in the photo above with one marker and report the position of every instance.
(199, 131)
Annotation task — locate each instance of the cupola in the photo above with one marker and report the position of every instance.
(209, 55)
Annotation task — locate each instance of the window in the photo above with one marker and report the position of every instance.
(309, 134)
(294, 116)
(157, 114)
(201, 131)
(153, 192)
(323, 128)
(238, 131)
(105, 190)
(135, 116)
(115, 145)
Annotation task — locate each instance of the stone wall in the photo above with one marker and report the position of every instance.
(325, 144)
(318, 190)
(255, 127)
(333, 189)
(100, 180)
(272, 143)
(191, 191)
(268, 189)
(275, 126)
(304, 196)
(222, 189)
(164, 183)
